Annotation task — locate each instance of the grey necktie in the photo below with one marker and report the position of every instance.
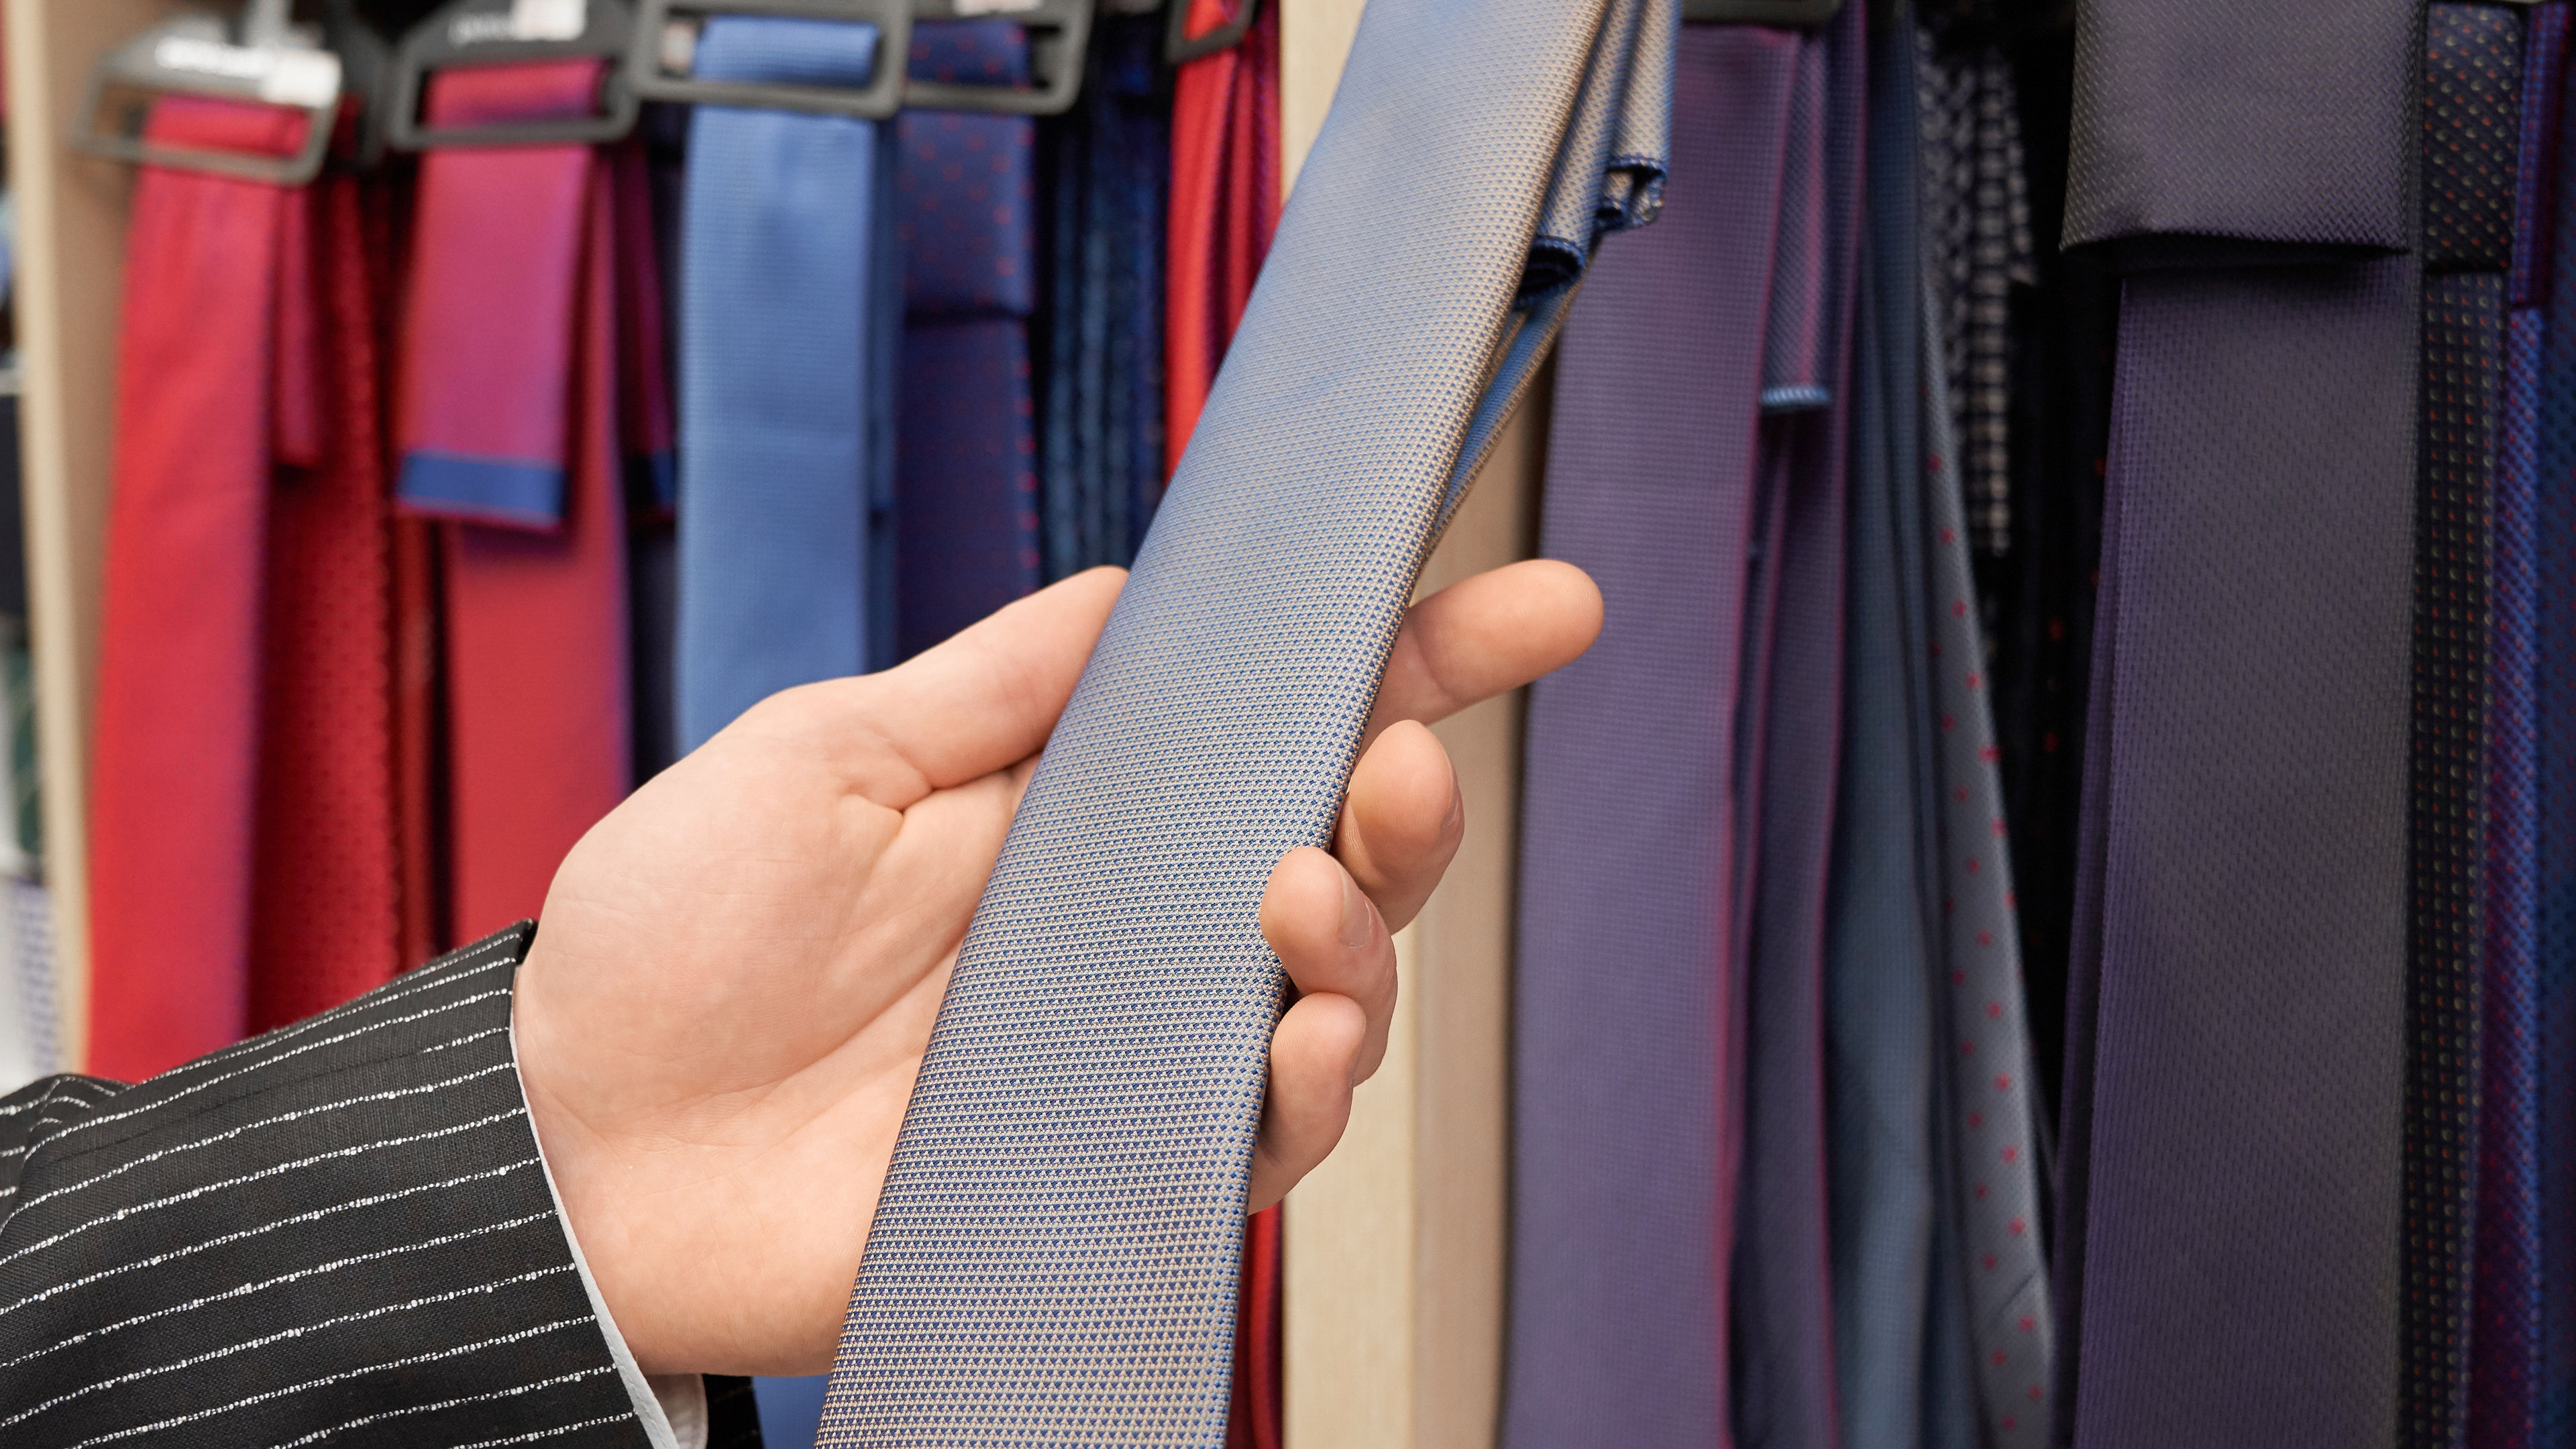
(1054, 1255)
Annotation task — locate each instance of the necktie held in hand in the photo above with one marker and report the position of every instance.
(1055, 1255)
(248, 549)
(510, 432)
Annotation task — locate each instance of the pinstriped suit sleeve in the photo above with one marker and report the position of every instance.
(336, 1233)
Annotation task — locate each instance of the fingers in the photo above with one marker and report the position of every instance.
(1484, 636)
(1312, 1058)
(1401, 821)
(1331, 938)
(981, 702)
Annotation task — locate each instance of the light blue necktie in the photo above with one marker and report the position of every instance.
(787, 332)
(1053, 1259)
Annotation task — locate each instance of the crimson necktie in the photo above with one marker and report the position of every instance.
(326, 923)
(509, 428)
(174, 792)
(1225, 205)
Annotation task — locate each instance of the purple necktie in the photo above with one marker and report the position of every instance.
(2242, 931)
(1626, 1082)
(1785, 1386)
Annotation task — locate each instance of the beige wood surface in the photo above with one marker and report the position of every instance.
(1395, 1253)
(1314, 36)
(71, 214)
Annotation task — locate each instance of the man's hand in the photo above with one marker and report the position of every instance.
(722, 1016)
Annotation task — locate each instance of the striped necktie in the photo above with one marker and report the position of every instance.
(1054, 1257)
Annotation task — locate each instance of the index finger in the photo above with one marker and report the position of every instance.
(1484, 636)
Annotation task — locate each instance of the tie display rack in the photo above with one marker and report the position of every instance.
(1395, 1251)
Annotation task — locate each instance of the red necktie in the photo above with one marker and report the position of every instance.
(176, 740)
(510, 420)
(1225, 205)
(327, 909)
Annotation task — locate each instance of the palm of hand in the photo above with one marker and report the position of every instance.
(738, 969)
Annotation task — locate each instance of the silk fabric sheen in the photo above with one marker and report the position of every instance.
(1055, 1256)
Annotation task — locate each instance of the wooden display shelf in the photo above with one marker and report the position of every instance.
(1396, 1249)
(71, 214)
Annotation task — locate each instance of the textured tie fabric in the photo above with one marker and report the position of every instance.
(326, 921)
(1993, 1119)
(966, 481)
(199, 425)
(2242, 1012)
(2554, 888)
(1882, 1179)
(1225, 205)
(1787, 766)
(1627, 1085)
(2472, 79)
(2505, 1306)
(1224, 184)
(1100, 330)
(1977, 230)
(789, 324)
(510, 431)
(1055, 1256)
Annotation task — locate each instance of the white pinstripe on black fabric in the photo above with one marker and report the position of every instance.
(337, 1230)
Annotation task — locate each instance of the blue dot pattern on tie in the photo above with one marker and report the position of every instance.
(1053, 1258)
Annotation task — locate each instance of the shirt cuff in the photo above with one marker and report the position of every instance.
(672, 1407)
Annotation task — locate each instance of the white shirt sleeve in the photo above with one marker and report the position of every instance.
(673, 1407)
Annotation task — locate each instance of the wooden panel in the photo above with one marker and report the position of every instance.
(1462, 984)
(1314, 37)
(1395, 1255)
(71, 247)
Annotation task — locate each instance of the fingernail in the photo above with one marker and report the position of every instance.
(1357, 921)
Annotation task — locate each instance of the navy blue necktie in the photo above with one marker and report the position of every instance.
(1102, 326)
(1053, 1259)
(966, 481)
(2505, 1371)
